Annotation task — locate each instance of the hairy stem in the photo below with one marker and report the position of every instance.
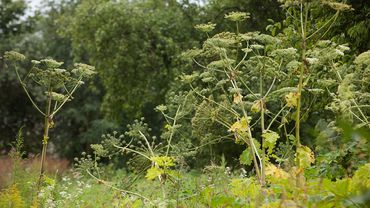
(301, 75)
(47, 120)
(262, 106)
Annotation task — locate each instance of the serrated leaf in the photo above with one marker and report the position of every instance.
(153, 173)
(163, 161)
(246, 157)
(305, 156)
(257, 106)
(241, 125)
(291, 99)
(275, 172)
(270, 140)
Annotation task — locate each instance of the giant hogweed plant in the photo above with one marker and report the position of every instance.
(262, 87)
(149, 156)
(58, 84)
(257, 90)
(157, 159)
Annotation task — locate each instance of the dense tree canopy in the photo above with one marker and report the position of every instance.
(133, 45)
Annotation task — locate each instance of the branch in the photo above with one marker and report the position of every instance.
(28, 95)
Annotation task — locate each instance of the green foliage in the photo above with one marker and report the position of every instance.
(352, 26)
(163, 161)
(160, 168)
(244, 187)
(271, 105)
(361, 180)
(58, 83)
(246, 157)
(132, 51)
(153, 173)
(215, 188)
(270, 140)
(304, 156)
(261, 11)
(50, 77)
(284, 84)
(11, 198)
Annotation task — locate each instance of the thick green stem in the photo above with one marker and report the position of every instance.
(301, 75)
(262, 106)
(298, 113)
(253, 149)
(47, 120)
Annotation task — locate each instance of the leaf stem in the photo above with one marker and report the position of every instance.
(26, 91)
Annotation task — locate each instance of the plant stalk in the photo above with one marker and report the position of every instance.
(47, 120)
(262, 130)
(301, 77)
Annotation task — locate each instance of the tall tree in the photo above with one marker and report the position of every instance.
(134, 46)
(13, 110)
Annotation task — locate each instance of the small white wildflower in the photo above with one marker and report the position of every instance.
(49, 188)
(243, 173)
(228, 171)
(49, 201)
(41, 194)
(63, 193)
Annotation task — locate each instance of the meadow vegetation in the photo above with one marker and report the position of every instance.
(189, 109)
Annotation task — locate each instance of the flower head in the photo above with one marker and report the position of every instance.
(51, 63)
(237, 16)
(205, 27)
(84, 70)
(14, 56)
